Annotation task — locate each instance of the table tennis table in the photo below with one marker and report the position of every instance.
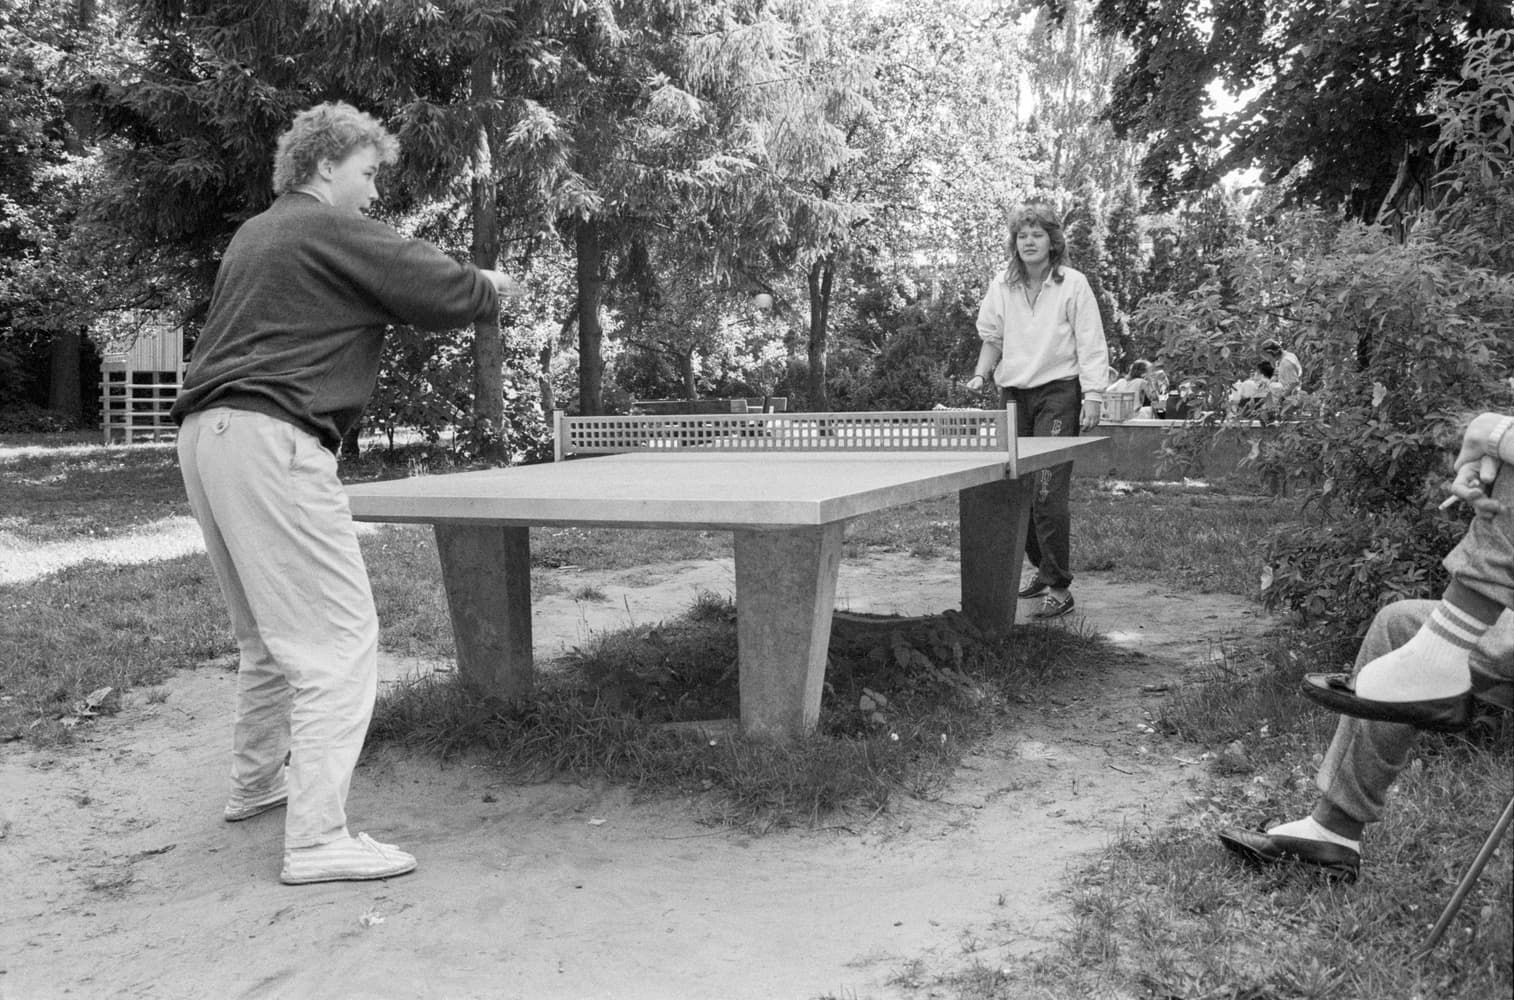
(784, 485)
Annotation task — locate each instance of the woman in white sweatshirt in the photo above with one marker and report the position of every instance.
(1043, 346)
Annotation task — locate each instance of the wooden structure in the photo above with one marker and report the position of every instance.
(139, 383)
(784, 485)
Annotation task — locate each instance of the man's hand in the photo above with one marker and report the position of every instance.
(1478, 462)
(975, 383)
(1093, 412)
(1477, 445)
(504, 285)
(1471, 487)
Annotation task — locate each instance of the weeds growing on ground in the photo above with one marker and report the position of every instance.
(654, 707)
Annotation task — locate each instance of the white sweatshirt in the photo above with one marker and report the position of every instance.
(1060, 337)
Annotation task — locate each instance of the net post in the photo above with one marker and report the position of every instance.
(559, 430)
(1012, 437)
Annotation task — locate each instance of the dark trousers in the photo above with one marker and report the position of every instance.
(1050, 410)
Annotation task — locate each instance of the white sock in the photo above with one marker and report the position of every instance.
(1433, 664)
(1309, 828)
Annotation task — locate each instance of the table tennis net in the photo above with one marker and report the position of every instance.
(903, 430)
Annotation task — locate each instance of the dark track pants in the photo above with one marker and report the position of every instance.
(1050, 410)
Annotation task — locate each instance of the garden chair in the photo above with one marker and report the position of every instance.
(1499, 695)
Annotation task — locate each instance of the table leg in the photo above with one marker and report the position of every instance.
(785, 596)
(993, 519)
(486, 571)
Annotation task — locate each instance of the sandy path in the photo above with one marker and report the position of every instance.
(121, 880)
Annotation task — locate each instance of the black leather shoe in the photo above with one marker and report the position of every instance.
(1260, 849)
(1035, 588)
(1337, 693)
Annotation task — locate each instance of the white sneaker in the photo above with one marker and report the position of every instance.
(348, 859)
(240, 807)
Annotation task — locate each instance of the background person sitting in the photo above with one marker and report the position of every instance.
(1135, 381)
(1289, 370)
(1250, 394)
(1159, 387)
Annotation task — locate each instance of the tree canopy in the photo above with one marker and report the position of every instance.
(1332, 97)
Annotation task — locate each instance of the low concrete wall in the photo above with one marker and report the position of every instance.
(1135, 446)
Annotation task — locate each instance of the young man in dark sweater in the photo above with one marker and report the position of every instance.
(287, 358)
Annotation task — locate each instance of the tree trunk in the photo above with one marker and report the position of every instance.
(488, 346)
(65, 395)
(686, 372)
(822, 272)
(544, 382)
(591, 284)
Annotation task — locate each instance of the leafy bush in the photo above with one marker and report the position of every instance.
(28, 418)
(1401, 342)
(426, 386)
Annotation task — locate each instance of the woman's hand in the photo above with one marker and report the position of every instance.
(1093, 412)
(975, 383)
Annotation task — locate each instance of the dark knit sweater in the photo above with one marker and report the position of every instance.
(300, 306)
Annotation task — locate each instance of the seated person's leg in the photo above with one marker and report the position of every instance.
(1363, 760)
(1433, 664)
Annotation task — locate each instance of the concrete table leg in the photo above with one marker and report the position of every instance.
(486, 571)
(785, 596)
(993, 519)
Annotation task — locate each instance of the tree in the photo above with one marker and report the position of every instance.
(46, 168)
(905, 154)
(1334, 96)
(1123, 263)
(1071, 70)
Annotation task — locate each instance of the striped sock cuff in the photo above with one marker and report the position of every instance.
(1455, 626)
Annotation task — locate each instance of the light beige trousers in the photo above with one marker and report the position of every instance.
(280, 537)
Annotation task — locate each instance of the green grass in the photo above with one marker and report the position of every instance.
(904, 700)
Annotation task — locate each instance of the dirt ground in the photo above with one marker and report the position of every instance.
(121, 880)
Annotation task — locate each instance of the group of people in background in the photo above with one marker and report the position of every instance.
(1276, 375)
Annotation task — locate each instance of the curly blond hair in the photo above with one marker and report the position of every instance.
(1042, 216)
(330, 131)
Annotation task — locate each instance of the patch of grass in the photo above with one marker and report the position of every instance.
(92, 626)
(1173, 915)
(904, 699)
(56, 494)
(1207, 539)
(1204, 538)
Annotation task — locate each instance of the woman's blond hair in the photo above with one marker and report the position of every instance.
(330, 131)
(1044, 217)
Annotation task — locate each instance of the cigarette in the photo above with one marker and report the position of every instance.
(1449, 502)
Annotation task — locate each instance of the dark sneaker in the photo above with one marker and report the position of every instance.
(1260, 849)
(1035, 588)
(1053, 607)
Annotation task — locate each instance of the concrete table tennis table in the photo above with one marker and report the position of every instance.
(784, 485)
